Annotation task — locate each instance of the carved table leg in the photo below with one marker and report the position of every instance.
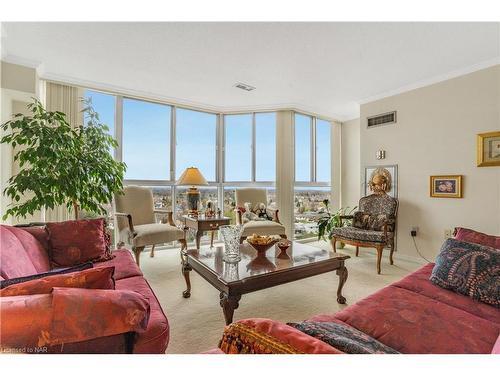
(229, 304)
(185, 271)
(342, 273)
(199, 234)
(212, 239)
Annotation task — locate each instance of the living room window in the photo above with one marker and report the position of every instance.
(312, 173)
(196, 142)
(146, 140)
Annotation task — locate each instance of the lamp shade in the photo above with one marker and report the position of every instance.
(192, 177)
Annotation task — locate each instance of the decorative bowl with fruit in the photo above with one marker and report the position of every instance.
(262, 243)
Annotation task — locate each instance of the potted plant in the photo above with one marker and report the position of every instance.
(329, 221)
(59, 164)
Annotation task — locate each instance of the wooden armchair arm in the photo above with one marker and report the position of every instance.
(130, 222)
(238, 212)
(170, 218)
(342, 217)
(275, 215)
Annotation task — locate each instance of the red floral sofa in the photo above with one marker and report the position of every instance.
(24, 251)
(411, 316)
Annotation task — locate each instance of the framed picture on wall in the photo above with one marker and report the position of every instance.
(446, 186)
(488, 149)
(389, 170)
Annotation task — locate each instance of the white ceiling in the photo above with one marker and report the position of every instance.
(325, 68)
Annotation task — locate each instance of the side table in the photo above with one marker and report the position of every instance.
(203, 224)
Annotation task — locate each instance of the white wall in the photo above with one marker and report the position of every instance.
(435, 134)
(351, 180)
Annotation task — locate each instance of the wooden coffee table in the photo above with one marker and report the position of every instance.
(254, 272)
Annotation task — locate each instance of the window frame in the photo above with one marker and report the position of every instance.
(313, 182)
(253, 148)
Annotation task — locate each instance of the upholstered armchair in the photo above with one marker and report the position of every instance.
(255, 197)
(136, 221)
(374, 225)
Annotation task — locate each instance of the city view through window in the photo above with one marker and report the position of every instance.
(250, 156)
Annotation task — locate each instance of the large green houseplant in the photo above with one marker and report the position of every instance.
(59, 164)
(329, 221)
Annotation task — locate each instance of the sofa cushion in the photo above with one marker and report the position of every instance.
(265, 336)
(412, 323)
(343, 337)
(21, 253)
(469, 269)
(418, 282)
(262, 228)
(496, 347)
(78, 241)
(124, 264)
(151, 234)
(155, 338)
(95, 278)
(53, 272)
(469, 235)
(352, 233)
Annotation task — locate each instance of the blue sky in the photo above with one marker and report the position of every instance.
(146, 141)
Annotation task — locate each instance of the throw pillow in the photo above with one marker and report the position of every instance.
(58, 271)
(77, 241)
(469, 235)
(469, 269)
(367, 221)
(95, 278)
(343, 337)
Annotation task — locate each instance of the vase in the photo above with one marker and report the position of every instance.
(231, 235)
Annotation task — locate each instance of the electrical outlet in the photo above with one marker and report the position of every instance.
(414, 231)
(448, 233)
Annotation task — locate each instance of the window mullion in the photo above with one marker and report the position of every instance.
(253, 148)
(313, 149)
(119, 127)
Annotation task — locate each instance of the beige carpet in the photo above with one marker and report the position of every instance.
(196, 323)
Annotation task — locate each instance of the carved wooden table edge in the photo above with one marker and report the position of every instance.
(229, 300)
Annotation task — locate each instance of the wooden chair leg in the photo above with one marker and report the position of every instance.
(334, 244)
(357, 250)
(392, 252)
(137, 251)
(379, 257)
(152, 253)
(183, 243)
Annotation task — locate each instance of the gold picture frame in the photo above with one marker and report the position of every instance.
(449, 186)
(488, 149)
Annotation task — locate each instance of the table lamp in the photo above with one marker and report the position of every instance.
(192, 177)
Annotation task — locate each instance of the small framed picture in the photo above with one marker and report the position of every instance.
(488, 149)
(446, 186)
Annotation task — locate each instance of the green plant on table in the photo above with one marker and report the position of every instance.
(329, 220)
(59, 164)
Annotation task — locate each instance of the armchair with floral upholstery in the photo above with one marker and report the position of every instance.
(373, 225)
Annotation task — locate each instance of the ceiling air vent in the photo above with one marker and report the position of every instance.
(383, 119)
(244, 86)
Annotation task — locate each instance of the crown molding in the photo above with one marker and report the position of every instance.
(151, 96)
(430, 81)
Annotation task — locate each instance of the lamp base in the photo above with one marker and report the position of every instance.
(193, 197)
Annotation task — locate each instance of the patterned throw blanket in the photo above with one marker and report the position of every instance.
(343, 337)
